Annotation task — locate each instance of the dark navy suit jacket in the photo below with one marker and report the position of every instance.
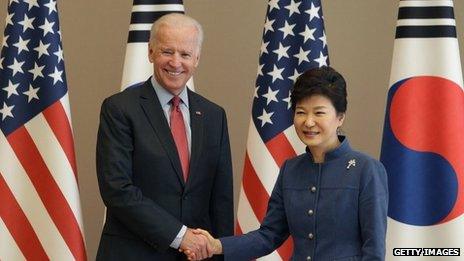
(336, 210)
(140, 176)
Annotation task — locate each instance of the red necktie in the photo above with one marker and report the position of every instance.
(179, 134)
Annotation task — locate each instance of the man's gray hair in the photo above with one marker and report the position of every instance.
(176, 20)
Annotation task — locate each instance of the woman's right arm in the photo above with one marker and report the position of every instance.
(271, 234)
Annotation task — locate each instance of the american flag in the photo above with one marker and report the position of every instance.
(40, 214)
(294, 40)
(137, 68)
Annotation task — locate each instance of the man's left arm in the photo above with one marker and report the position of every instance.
(222, 204)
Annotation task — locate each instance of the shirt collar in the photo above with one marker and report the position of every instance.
(165, 97)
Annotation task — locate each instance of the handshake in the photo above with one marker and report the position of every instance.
(198, 244)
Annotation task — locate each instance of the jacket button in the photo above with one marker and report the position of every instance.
(185, 197)
(313, 189)
(310, 212)
(308, 258)
(311, 236)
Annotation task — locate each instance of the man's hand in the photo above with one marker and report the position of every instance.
(214, 245)
(195, 246)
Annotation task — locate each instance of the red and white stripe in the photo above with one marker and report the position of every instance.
(261, 168)
(40, 214)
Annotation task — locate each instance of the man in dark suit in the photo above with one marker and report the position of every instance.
(163, 156)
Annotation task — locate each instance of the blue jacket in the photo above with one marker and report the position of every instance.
(336, 210)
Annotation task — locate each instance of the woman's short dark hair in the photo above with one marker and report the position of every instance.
(323, 81)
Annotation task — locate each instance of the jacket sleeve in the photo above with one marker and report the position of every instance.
(222, 204)
(124, 200)
(373, 207)
(271, 234)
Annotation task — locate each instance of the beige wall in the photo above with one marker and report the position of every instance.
(360, 38)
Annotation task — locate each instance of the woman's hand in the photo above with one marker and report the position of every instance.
(214, 246)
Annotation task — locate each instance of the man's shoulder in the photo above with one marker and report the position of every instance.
(125, 95)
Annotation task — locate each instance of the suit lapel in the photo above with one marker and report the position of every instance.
(196, 123)
(152, 108)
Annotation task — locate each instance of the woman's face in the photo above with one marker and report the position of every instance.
(316, 122)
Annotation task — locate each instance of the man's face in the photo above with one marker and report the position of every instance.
(175, 56)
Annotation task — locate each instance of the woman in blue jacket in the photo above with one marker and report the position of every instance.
(332, 199)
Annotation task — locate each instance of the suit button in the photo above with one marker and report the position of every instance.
(185, 197)
(310, 212)
(308, 258)
(311, 236)
(313, 189)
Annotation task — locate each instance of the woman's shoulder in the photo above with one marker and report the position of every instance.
(368, 167)
(364, 158)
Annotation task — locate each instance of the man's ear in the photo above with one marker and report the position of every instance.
(197, 62)
(150, 52)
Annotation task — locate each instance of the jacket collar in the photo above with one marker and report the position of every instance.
(341, 150)
(152, 108)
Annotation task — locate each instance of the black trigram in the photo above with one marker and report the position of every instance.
(419, 19)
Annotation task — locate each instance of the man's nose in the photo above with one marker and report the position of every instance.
(175, 61)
